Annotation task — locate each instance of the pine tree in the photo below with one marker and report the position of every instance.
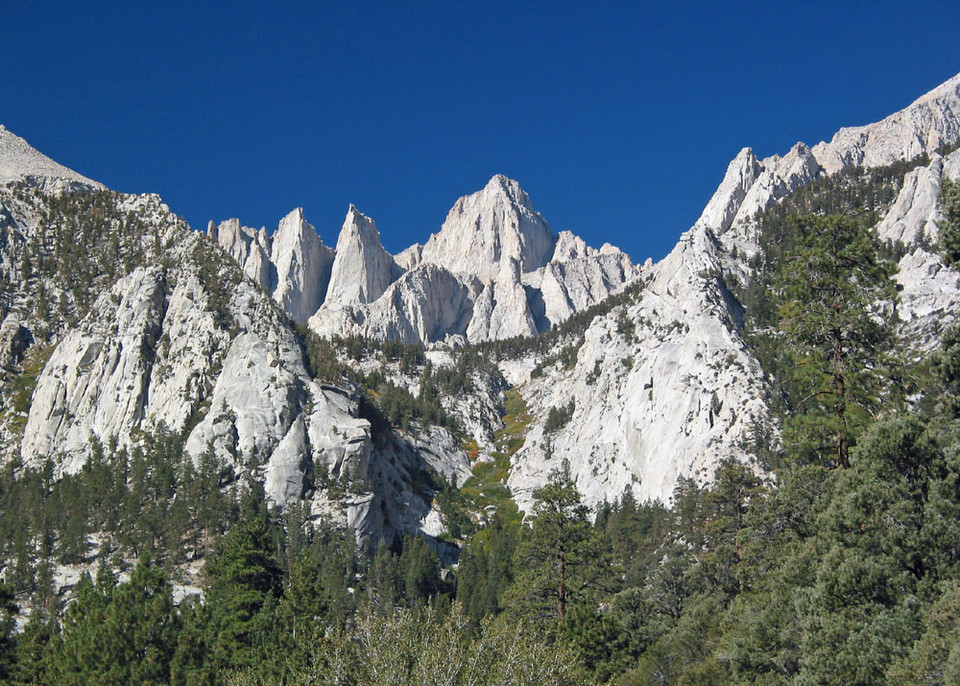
(560, 559)
(836, 332)
(244, 578)
(949, 225)
(8, 609)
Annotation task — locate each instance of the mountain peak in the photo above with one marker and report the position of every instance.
(928, 123)
(948, 89)
(362, 268)
(489, 226)
(19, 161)
(303, 265)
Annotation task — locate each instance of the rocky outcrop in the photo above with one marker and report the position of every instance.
(214, 361)
(723, 207)
(929, 293)
(493, 271)
(362, 269)
(932, 121)
(913, 216)
(751, 186)
(502, 310)
(14, 341)
(488, 228)
(425, 305)
(249, 248)
(569, 286)
(662, 388)
(303, 265)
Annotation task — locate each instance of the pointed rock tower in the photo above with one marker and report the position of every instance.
(362, 269)
(303, 265)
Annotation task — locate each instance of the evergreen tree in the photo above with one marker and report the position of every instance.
(833, 284)
(560, 560)
(33, 649)
(8, 610)
(486, 569)
(419, 571)
(117, 634)
(949, 224)
(243, 584)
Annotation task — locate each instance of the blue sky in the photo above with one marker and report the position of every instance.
(617, 118)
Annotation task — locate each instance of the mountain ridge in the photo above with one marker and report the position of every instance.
(667, 369)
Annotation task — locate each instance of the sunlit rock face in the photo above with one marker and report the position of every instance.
(488, 228)
(362, 269)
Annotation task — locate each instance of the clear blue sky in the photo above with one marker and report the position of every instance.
(617, 118)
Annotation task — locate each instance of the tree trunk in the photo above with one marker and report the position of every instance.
(839, 385)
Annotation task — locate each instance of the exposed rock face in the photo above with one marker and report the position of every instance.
(502, 310)
(913, 216)
(751, 186)
(14, 341)
(929, 291)
(488, 228)
(572, 285)
(249, 248)
(303, 265)
(741, 174)
(409, 258)
(20, 162)
(684, 391)
(663, 388)
(362, 269)
(932, 121)
(95, 383)
(493, 271)
(425, 305)
(215, 361)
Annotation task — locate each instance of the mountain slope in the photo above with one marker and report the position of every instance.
(683, 390)
(20, 162)
(174, 340)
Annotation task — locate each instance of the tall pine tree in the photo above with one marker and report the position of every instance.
(836, 316)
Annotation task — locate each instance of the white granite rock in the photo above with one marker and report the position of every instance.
(489, 227)
(932, 121)
(303, 265)
(668, 399)
(14, 341)
(20, 162)
(913, 215)
(425, 305)
(502, 310)
(362, 269)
